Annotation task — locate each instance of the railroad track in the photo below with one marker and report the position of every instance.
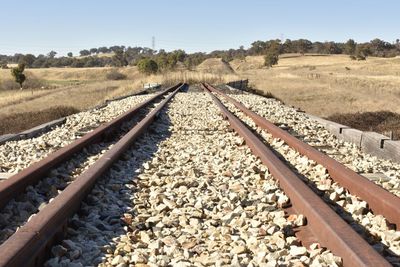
(190, 191)
(325, 225)
(26, 245)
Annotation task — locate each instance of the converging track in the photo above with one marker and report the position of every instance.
(198, 179)
(25, 246)
(328, 228)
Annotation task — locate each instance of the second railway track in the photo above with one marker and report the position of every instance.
(375, 197)
(190, 192)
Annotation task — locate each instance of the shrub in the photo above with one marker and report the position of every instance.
(147, 66)
(270, 59)
(18, 74)
(115, 75)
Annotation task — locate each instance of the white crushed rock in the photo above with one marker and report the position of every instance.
(378, 231)
(17, 155)
(316, 135)
(188, 193)
(19, 210)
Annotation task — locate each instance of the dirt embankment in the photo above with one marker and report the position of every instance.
(216, 66)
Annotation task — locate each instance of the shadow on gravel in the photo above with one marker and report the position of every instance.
(105, 214)
(372, 239)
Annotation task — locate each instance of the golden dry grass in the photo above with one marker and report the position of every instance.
(321, 85)
(83, 88)
(324, 85)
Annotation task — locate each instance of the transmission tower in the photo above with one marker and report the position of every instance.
(153, 43)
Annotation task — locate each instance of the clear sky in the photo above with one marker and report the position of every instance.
(38, 26)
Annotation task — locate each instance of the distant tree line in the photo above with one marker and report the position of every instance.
(122, 56)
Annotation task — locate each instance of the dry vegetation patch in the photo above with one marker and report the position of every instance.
(82, 88)
(21, 121)
(324, 85)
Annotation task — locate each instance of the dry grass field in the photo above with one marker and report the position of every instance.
(318, 84)
(66, 89)
(325, 85)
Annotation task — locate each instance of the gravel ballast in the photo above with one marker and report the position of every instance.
(188, 193)
(375, 228)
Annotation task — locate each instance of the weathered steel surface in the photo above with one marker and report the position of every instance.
(379, 200)
(325, 224)
(23, 248)
(31, 175)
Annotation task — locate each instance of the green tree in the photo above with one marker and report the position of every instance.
(272, 55)
(119, 58)
(302, 45)
(362, 51)
(70, 54)
(84, 52)
(147, 66)
(28, 60)
(257, 48)
(350, 47)
(18, 74)
(52, 54)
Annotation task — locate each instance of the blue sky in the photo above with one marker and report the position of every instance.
(38, 26)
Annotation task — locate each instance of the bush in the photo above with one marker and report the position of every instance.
(18, 74)
(271, 58)
(147, 66)
(272, 54)
(115, 75)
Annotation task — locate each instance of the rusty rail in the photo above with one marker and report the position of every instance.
(25, 246)
(17, 183)
(331, 231)
(379, 200)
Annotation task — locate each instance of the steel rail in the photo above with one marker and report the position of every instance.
(331, 231)
(380, 201)
(24, 247)
(17, 183)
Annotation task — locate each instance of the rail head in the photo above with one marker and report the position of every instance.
(379, 200)
(324, 223)
(17, 183)
(23, 248)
